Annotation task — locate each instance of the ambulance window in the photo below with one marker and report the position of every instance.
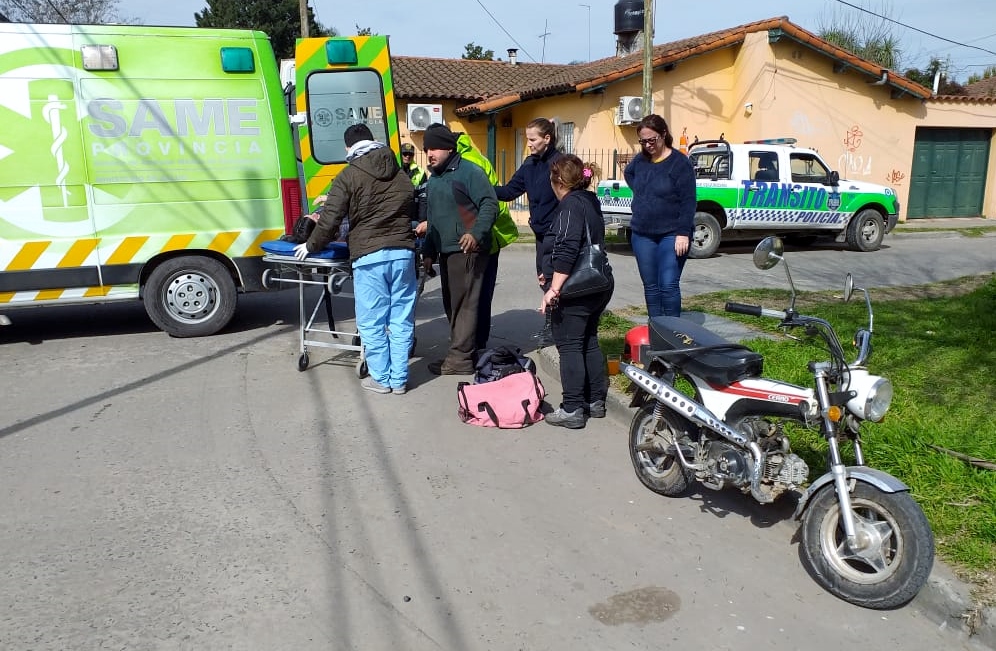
(806, 168)
(340, 98)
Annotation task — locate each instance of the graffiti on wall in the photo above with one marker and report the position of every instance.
(895, 177)
(852, 161)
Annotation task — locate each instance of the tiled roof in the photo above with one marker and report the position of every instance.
(492, 85)
(984, 88)
(466, 79)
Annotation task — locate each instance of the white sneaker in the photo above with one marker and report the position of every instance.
(371, 384)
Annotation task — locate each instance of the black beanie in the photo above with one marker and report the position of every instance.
(355, 133)
(438, 136)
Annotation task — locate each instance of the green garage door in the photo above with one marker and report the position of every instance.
(949, 172)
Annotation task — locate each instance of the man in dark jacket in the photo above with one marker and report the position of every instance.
(462, 208)
(376, 195)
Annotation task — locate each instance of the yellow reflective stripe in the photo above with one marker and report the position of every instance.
(126, 251)
(78, 253)
(97, 291)
(27, 256)
(48, 295)
(5, 297)
(177, 242)
(265, 236)
(223, 241)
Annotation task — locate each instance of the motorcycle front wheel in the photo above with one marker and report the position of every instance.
(893, 555)
(652, 450)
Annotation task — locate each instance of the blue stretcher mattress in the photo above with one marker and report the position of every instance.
(334, 251)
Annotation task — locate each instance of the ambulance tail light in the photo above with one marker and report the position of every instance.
(290, 192)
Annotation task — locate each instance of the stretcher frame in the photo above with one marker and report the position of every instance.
(330, 274)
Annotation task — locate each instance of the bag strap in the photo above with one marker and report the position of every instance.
(526, 420)
(486, 406)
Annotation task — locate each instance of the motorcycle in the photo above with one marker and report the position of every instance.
(705, 413)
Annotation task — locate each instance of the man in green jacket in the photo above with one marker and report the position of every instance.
(462, 208)
(503, 233)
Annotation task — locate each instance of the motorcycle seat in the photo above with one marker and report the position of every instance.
(701, 352)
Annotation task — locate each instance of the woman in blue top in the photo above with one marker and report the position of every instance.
(663, 183)
(533, 179)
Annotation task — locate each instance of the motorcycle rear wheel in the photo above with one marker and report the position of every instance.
(896, 560)
(657, 469)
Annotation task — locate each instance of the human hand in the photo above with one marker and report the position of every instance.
(542, 279)
(467, 243)
(681, 245)
(421, 228)
(301, 251)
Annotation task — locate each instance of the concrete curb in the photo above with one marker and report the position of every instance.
(944, 600)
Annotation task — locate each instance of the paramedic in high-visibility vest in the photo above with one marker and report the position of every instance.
(408, 166)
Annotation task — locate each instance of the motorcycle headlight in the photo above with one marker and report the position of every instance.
(874, 395)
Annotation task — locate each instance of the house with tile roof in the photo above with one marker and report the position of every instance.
(765, 79)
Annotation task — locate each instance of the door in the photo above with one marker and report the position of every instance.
(948, 178)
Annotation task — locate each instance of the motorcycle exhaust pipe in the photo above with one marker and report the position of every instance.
(698, 414)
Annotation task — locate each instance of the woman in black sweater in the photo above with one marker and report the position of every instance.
(575, 321)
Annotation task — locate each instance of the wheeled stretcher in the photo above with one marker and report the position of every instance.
(330, 269)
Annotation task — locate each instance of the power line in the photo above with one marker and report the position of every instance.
(502, 28)
(867, 11)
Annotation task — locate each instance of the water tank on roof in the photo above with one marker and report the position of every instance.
(629, 16)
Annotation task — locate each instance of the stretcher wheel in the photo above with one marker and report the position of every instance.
(356, 340)
(361, 369)
(302, 362)
(267, 274)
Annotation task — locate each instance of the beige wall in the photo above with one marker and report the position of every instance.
(857, 127)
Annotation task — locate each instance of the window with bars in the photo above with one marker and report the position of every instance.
(565, 137)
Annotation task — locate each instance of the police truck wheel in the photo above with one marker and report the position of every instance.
(706, 235)
(190, 296)
(866, 230)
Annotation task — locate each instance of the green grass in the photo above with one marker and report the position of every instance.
(935, 343)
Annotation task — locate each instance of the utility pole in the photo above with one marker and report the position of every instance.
(588, 7)
(543, 36)
(648, 56)
(304, 18)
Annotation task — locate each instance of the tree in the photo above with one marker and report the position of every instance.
(77, 12)
(477, 53)
(363, 31)
(280, 19)
(925, 77)
(864, 36)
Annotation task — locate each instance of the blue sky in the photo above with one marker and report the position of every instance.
(442, 28)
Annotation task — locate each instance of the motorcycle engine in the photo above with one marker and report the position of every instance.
(728, 465)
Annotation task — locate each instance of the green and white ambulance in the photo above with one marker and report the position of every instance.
(141, 163)
(768, 187)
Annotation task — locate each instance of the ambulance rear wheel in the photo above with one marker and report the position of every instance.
(706, 235)
(190, 296)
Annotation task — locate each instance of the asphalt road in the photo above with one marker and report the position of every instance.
(164, 493)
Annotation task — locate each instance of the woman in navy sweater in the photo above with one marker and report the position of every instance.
(575, 320)
(663, 183)
(533, 179)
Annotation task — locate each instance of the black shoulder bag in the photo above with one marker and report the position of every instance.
(592, 272)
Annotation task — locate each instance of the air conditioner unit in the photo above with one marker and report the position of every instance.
(420, 116)
(630, 110)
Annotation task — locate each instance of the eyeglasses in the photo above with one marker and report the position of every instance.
(648, 141)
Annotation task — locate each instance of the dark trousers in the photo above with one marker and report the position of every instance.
(488, 283)
(462, 277)
(582, 365)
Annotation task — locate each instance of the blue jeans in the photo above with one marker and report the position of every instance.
(660, 270)
(384, 298)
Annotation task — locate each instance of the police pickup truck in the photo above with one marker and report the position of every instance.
(765, 187)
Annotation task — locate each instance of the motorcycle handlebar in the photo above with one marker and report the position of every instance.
(755, 310)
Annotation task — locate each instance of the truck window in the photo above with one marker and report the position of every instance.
(338, 99)
(807, 168)
(763, 166)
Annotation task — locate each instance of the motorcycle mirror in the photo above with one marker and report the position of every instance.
(768, 252)
(848, 287)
